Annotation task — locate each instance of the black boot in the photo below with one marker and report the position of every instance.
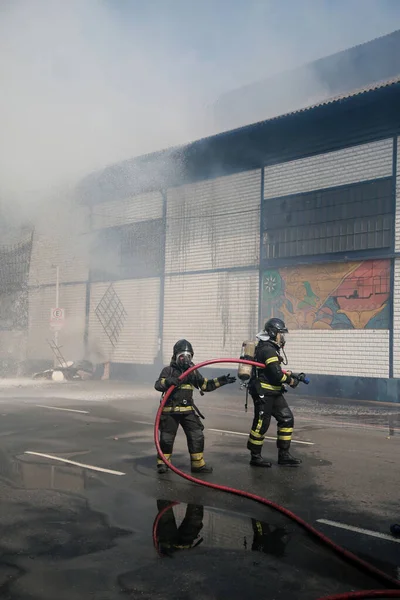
(162, 468)
(287, 460)
(258, 461)
(204, 469)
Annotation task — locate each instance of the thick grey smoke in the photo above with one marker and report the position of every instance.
(89, 82)
(79, 91)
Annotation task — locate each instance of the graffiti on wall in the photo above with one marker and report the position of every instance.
(329, 296)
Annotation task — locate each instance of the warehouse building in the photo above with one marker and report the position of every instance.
(312, 83)
(296, 217)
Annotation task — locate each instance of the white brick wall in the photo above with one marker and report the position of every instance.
(41, 300)
(138, 342)
(131, 210)
(397, 240)
(357, 352)
(215, 311)
(396, 320)
(351, 165)
(214, 224)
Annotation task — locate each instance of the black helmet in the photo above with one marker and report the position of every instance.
(274, 326)
(183, 354)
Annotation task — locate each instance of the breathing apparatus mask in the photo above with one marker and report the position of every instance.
(184, 360)
(183, 354)
(274, 330)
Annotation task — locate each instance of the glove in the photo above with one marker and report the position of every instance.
(172, 381)
(225, 379)
(294, 382)
(302, 377)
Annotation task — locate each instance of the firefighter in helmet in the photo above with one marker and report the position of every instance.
(180, 409)
(266, 387)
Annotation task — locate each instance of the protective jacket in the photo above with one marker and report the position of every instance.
(269, 380)
(181, 400)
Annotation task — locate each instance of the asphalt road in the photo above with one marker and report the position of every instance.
(85, 530)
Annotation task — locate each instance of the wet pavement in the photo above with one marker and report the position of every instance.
(70, 532)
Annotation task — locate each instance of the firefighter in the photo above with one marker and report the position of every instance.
(269, 539)
(266, 388)
(180, 409)
(170, 537)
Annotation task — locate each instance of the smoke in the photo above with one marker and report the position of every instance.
(88, 83)
(81, 90)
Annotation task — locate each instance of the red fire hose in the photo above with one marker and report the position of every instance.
(339, 550)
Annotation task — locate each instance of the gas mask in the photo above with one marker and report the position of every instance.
(184, 360)
(280, 340)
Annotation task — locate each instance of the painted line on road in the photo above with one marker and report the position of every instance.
(75, 464)
(377, 534)
(311, 420)
(266, 437)
(84, 412)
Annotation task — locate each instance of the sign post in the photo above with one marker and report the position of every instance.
(57, 321)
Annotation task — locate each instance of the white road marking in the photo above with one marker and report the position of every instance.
(266, 437)
(76, 464)
(84, 412)
(377, 534)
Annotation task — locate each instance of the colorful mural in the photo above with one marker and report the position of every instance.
(329, 296)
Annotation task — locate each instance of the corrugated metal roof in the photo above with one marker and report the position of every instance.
(357, 92)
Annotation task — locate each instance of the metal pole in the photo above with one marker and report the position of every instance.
(57, 300)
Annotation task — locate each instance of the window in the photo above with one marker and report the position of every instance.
(343, 219)
(134, 250)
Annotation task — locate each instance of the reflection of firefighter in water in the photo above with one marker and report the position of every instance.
(168, 536)
(269, 539)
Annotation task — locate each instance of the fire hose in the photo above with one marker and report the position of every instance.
(363, 565)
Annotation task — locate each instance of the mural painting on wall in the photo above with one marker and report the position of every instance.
(329, 296)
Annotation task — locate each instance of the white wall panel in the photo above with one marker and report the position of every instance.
(397, 240)
(130, 210)
(350, 165)
(396, 320)
(357, 352)
(215, 311)
(138, 342)
(214, 224)
(41, 301)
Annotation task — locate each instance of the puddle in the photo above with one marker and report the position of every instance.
(187, 526)
(106, 540)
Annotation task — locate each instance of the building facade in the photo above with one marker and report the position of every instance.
(296, 217)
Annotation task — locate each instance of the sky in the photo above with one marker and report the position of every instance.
(85, 83)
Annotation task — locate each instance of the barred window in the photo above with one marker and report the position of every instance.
(134, 250)
(343, 219)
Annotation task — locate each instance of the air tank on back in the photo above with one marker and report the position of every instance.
(247, 353)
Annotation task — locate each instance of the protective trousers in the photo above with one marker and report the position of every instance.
(264, 408)
(193, 428)
(184, 536)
